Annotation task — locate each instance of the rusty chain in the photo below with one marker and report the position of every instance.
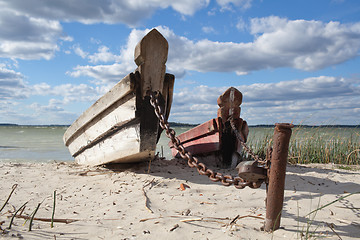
(192, 161)
(263, 163)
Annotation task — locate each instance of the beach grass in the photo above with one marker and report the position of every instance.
(315, 145)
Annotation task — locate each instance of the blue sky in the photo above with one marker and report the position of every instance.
(294, 61)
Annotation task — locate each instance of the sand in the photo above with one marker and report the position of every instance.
(111, 203)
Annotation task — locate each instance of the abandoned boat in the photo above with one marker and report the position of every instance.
(214, 142)
(121, 126)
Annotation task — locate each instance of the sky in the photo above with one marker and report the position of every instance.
(294, 61)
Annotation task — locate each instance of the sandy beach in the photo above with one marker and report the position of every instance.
(170, 200)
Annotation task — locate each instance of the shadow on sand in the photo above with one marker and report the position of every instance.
(298, 180)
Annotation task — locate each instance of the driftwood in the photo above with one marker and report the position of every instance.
(147, 201)
(59, 220)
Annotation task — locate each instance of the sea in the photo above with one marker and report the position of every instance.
(45, 143)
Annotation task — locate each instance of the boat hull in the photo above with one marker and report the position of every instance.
(214, 142)
(120, 127)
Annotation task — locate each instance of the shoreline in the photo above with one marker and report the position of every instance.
(135, 202)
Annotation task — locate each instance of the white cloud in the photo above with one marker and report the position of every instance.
(25, 37)
(53, 106)
(241, 25)
(78, 51)
(130, 12)
(103, 74)
(31, 29)
(66, 38)
(322, 97)
(51, 113)
(267, 24)
(305, 45)
(15, 92)
(300, 44)
(103, 55)
(279, 42)
(187, 7)
(226, 4)
(208, 29)
(109, 74)
(309, 88)
(95, 41)
(70, 93)
(12, 85)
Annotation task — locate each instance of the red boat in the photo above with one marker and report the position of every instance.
(214, 141)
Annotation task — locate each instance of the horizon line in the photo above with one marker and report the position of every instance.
(176, 124)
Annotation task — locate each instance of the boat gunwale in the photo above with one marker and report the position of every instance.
(213, 127)
(78, 128)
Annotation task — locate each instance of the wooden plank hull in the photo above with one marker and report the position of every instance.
(203, 139)
(204, 145)
(122, 126)
(122, 147)
(214, 141)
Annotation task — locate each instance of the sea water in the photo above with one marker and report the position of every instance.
(32, 144)
(45, 144)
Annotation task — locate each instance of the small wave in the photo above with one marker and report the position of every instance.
(7, 147)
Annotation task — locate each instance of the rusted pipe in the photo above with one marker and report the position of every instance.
(275, 193)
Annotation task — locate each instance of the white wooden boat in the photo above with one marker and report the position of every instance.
(121, 126)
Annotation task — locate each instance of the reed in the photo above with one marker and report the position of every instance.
(313, 145)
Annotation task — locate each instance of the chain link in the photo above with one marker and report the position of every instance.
(192, 161)
(264, 163)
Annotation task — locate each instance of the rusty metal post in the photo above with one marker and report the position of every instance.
(275, 193)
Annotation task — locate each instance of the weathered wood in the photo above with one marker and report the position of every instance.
(116, 115)
(244, 130)
(228, 146)
(231, 98)
(229, 103)
(151, 55)
(225, 112)
(167, 93)
(215, 139)
(204, 145)
(201, 139)
(122, 126)
(124, 143)
(120, 90)
(208, 128)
